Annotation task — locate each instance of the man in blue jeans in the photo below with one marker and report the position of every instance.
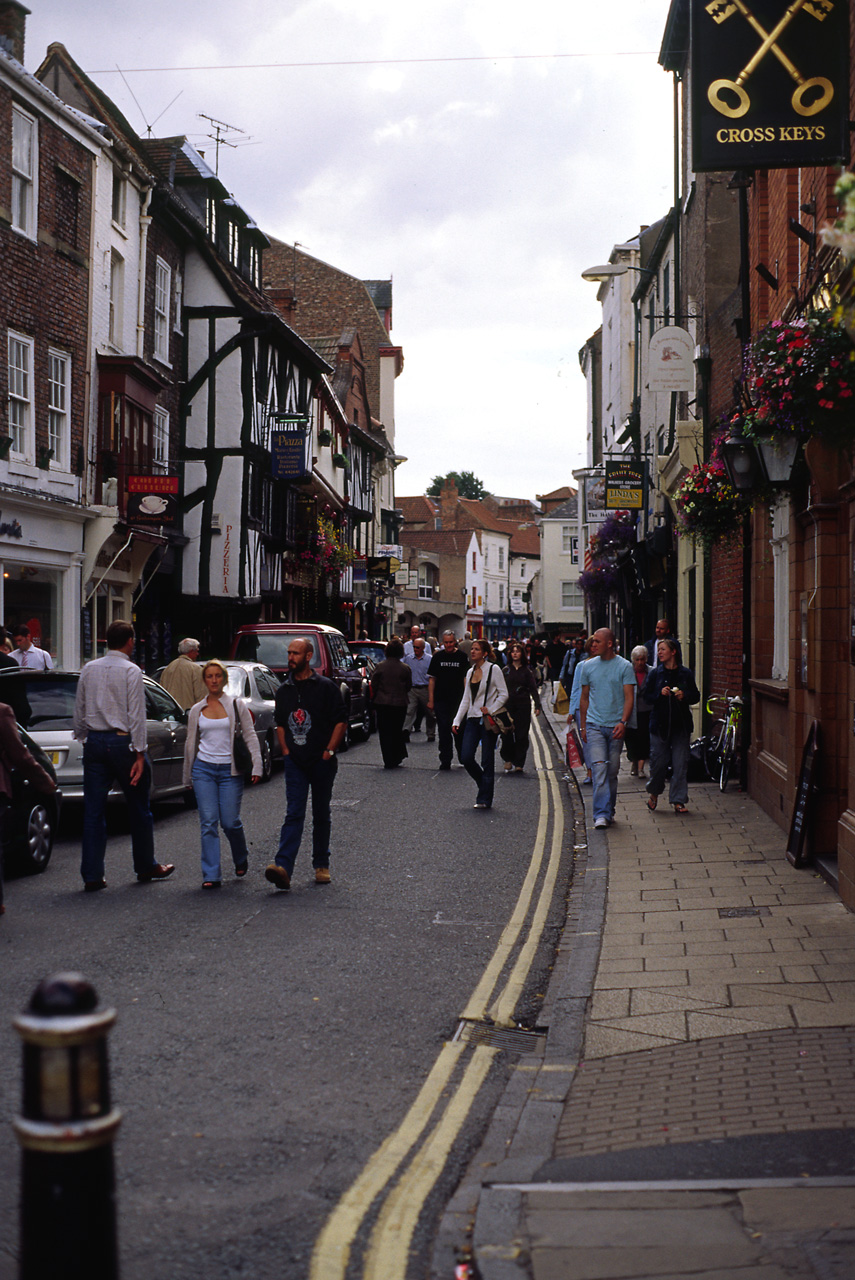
(110, 720)
(311, 720)
(606, 707)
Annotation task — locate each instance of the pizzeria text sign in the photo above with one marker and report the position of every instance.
(770, 83)
(624, 486)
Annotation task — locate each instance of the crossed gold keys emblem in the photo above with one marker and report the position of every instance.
(721, 93)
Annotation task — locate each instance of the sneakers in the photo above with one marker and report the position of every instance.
(633, 773)
(278, 876)
(444, 767)
(601, 823)
(322, 875)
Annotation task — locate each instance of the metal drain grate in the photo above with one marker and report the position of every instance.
(510, 1039)
(741, 913)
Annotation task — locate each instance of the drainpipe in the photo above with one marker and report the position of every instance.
(145, 223)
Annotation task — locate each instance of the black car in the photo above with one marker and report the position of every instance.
(30, 824)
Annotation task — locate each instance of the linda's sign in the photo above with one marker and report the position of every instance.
(624, 486)
(770, 83)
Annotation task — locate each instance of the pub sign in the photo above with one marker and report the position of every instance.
(625, 486)
(770, 83)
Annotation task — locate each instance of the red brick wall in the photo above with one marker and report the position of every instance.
(45, 283)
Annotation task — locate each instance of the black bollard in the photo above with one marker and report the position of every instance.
(66, 1132)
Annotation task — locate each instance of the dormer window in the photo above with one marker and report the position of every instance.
(211, 218)
(234, 244)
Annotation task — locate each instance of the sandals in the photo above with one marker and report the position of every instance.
(211, 884)
(680, 808)
(652, 802)
(242, 869)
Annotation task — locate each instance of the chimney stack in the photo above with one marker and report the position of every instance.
(448, 508)
(13, 25)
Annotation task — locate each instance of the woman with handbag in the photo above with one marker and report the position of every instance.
(485, 694)
(670, 691)
(522, 691)
(221, 748)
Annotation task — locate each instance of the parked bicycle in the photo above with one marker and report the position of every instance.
(721, 746)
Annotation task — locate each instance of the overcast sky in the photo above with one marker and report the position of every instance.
(482, 153)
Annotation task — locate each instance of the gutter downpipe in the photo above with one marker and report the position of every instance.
(145, 223)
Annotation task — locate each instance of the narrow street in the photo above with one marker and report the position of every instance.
(268, 1045)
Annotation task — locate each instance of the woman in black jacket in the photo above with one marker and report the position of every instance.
(670, 692)
(390, 692)
(522, 691)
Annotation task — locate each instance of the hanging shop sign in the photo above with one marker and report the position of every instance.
(770, 83)
(288, 454)
(670, 356)
(595, 499)
(152, 500)
(625, 485)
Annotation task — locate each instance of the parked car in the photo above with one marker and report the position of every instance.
(31, 820)
(267, 643)
(257, 685)
(47, 717)
(372, 650)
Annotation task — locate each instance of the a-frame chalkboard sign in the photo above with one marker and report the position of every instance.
(805, 792)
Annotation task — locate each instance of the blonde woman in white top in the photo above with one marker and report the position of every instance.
(209, 767)
(484, 694)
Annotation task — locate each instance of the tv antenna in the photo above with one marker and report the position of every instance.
(148, 127)
(220, 129)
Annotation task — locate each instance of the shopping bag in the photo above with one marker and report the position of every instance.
(574, 754)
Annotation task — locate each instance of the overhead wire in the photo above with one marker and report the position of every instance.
(376, 62)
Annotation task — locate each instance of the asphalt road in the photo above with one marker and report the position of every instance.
(267, 1044)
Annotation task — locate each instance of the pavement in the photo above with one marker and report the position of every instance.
(692, 1112)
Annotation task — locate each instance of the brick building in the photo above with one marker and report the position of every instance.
(49, 156)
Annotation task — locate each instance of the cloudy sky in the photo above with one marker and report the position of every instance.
(482, 153)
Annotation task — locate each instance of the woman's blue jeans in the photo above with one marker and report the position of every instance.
(218, 796)
(473, 732)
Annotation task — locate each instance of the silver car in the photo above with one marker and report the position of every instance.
(44, 706)
(257, 685)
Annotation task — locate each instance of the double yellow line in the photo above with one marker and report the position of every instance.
(388, 1248)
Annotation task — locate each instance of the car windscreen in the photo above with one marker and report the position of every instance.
(272, 651)
(238, 683)
(49, 702)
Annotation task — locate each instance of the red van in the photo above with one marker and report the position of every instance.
(268, 642)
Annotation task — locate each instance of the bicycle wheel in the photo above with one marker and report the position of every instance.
(728, 757)
(712, 755)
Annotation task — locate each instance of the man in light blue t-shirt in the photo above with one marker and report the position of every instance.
(606, 707)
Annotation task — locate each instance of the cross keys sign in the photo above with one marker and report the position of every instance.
(770, 83)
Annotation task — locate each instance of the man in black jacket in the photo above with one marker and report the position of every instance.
(310, 722)
(446, 681)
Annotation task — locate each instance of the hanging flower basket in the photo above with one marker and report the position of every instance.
(708, 507)
(324, 437)
(615, 533)
(340, 460)
(802, 379)
(598, 582)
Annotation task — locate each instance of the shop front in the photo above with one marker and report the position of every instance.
(40, 562)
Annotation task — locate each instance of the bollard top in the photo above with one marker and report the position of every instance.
(63, 995)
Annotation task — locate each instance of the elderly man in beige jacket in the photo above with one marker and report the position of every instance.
(182, 678)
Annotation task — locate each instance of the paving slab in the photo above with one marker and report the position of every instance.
(717, 1058)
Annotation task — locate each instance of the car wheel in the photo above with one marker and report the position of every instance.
(35, 847)
(266, 759)
(365, 725)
